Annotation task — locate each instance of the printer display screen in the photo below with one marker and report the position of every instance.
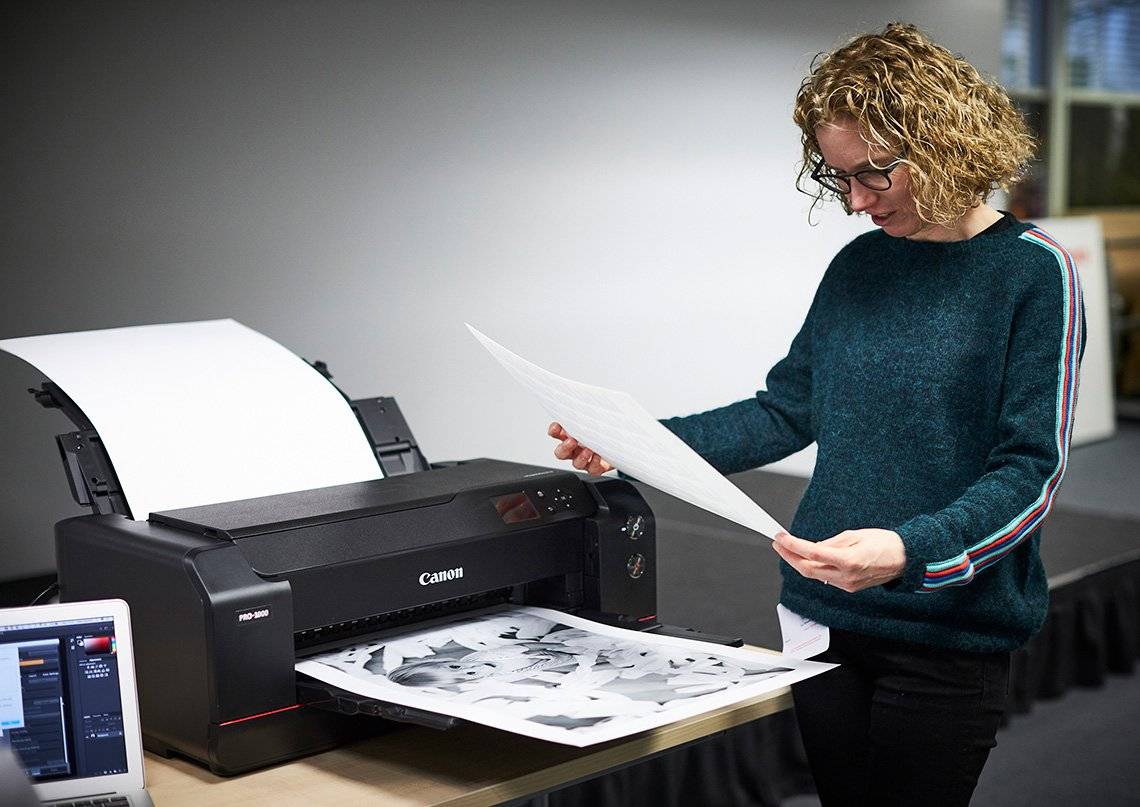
(515, 507)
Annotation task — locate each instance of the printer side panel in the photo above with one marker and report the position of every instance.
(112, 556)
(255, 719)
(213, 643)
(249, 622)
(620, 577)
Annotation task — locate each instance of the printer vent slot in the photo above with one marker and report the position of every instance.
(329, 636)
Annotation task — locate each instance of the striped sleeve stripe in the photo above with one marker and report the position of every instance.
(961, 569)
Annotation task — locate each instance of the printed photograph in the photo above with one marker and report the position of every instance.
(521, 666)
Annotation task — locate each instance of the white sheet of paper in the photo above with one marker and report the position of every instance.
(618, 428)
(803, 638)
(553, 676)
(197, 413)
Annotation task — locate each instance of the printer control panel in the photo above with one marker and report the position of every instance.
(539, 503)
(556, 499)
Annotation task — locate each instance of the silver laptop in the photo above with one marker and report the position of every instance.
(68, 708)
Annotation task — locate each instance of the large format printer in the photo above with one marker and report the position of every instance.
(226, 597)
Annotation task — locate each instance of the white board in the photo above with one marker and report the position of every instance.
(1083, 238)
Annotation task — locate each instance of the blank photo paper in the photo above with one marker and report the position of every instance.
(196, 413)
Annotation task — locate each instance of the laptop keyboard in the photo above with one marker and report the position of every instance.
(111, 801)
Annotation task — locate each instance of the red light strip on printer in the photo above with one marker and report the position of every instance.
(263, 714)
(647, 618)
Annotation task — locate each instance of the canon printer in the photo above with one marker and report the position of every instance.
(226, 597)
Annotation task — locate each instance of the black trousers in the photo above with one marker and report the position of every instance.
(900, 723)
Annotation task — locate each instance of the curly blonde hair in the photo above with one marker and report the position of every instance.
(959, 135)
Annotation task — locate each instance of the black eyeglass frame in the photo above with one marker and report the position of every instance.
(843, 181)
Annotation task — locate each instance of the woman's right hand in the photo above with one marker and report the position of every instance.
(583, 458)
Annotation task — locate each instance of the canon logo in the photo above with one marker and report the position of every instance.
(427, 578)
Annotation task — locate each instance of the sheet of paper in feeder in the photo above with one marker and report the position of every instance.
(618, 428)
(197, 413)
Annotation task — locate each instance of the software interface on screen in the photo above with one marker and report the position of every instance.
(60, 707)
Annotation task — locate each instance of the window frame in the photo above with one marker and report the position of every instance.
(1060, 96)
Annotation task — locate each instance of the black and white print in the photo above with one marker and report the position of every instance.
(551, 675)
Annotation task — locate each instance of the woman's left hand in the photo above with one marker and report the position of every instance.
(852, 560)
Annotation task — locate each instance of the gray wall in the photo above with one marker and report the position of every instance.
(604, 187)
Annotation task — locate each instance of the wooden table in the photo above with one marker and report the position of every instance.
(410, 766)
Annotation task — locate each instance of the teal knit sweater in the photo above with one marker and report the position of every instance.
(938, 380)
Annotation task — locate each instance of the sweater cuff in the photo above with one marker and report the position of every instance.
(930, 564)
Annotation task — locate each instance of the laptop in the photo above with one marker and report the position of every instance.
(69, 714)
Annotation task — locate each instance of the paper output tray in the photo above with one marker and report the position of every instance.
(319, 695)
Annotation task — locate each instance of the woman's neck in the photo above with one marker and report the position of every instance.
(976, 220)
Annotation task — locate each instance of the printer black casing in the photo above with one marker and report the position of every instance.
(225, 598)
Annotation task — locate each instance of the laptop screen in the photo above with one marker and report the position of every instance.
(61, 708)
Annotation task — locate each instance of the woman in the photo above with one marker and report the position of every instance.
(937, 372)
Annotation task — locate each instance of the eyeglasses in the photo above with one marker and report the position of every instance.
(876, 179)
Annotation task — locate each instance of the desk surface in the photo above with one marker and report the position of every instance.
(410, 766)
